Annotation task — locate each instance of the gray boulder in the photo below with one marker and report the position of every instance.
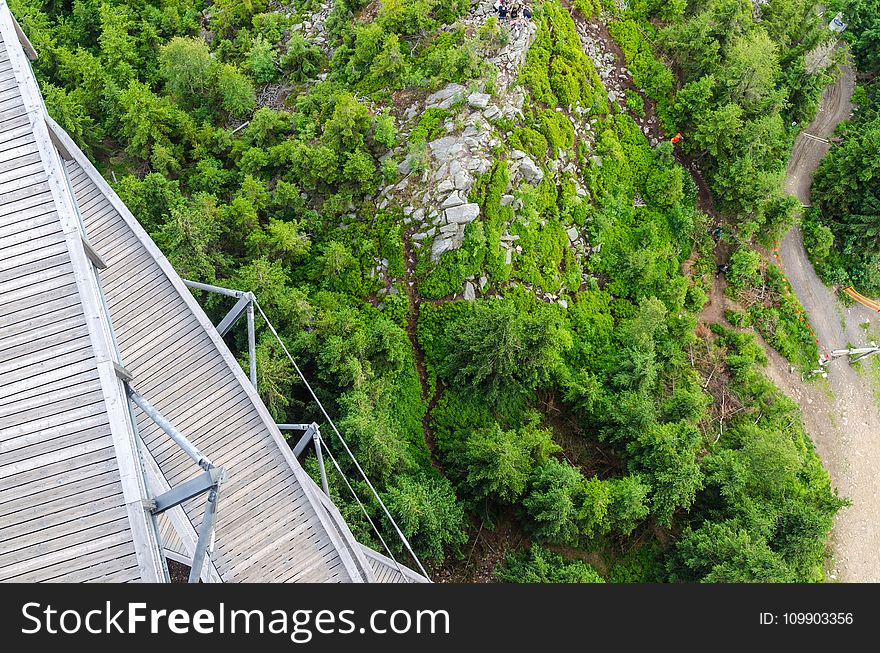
(530, 171)
(463, 214)
(479, 100)
(453, 200)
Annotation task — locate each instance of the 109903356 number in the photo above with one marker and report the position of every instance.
(817, 618)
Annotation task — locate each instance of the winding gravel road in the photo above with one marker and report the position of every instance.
(845, 427)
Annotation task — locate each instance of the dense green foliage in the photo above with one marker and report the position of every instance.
(567, 400)
(843, 236)
(744, 89)
(541, 566)
(766, 502)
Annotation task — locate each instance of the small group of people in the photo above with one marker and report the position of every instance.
(512, 10)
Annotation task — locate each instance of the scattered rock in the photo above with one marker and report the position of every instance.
(479, 100)
(445, 97)
(572, 234)
(492, 113)
(441, 246)
(469, 292)
(462, 180)
(454, 199)
(531, 172)
(463, 214)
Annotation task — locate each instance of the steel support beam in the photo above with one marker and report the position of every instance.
(187, 490)
(307, 437)
(188, 447)
(233, 315)
(317, 439)
(206, 534)
(252, 341)
(217, 289)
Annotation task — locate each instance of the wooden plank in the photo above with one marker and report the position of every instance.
(26, 236)
(24, 297)
(31, 362)
(53, 531)
(81, 550)
(52, 333)
(26, 203)
(23, 305)
(24, 159)
(15, 128)
(8, 94)
(105, 223)
(203, 389)
(118, 253)
(310, 561)
(100, 566)
(125, 576)
(55, 258)
(38, 186)
(75, 466)
(121, 291)
(14, 147)
(48, 371)
(69, 506)
(23, 282)
(45, 384)
(20, 178)
(14, 223)
(66, 482)
(15, 412)
(207, 434)
(237, 530)
(213, 435)
(162, 309)
(321, 566)
(10, 468)
(11, 83)
(26, 319)
(17, 447)
(10, 103)
(291, 506)
(42, 250)
(91, 199)
(169, 364)
(172, 461)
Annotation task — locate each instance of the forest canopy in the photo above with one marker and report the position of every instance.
(543, 373)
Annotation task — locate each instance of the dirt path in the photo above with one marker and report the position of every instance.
(412, 321)
(845, 428)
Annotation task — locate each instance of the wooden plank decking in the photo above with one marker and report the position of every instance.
(270, 527)
(63, 512)
(75, 471)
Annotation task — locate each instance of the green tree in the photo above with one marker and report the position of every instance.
(303, 59)
(235, 90)
(428, 514)
(498, 464)
(499, 349)
(538, 565)
(550, 503)
(184, 63)
(260, 61)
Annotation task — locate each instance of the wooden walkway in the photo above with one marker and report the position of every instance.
(70, 489)
(75, 470)
(68, 483)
